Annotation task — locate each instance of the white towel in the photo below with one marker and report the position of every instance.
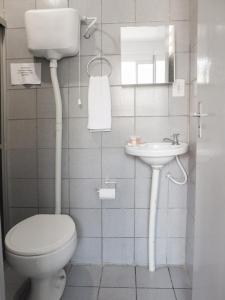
(99, 104)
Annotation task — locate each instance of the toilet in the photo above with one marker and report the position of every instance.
(39, 248)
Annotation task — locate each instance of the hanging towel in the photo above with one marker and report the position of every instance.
(99, 104)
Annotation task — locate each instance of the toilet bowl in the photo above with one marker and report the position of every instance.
(39, 248)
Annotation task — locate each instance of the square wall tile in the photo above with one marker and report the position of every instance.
(124, 194)
(46, 193)
(177, 195)
(115, 77)
(152, 101)
(47, 134)
(118, 276)
(142, 223)
(143, 192)
(15, 37)
(17, 100)
(22, 193)
(85, 276)
(179, 105)
(176, 251)
(122, 101)
(118, 251)
(118, 223)
(179, 9)
(46, 103)
(76, 110)
(85, 163)
(83, 193)
(152, 10)
(141, 251)
(116, 164)
(177, 222)
(15, 10)
(21, 134)
(88, 222)
(88, 251)
(22, 163)
(50, 4)
(122, 129)
(115, 11)
(20, 214)
(80, 136)
(152, 129)
(46, 163)
(179, 124)
(87, 7)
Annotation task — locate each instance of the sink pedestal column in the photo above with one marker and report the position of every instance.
(153, 218)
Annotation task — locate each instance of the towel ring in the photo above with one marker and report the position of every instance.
(96, 59)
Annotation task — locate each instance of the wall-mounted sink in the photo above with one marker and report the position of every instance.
(157, 155)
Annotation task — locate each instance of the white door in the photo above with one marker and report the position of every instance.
(209, 245)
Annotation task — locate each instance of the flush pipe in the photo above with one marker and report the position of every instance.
(153, 209)
(184, 181)
(153, 218)
(58, 146)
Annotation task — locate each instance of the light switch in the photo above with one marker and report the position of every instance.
(179, 88)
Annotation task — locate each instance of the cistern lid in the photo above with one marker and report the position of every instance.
(40, 234)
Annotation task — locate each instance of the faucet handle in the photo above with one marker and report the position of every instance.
(176, 138)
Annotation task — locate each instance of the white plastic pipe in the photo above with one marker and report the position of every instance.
(153, 219)
(58, 146)
(182, 182)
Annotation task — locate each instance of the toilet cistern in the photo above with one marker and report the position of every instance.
(157, 155)
(54, 34)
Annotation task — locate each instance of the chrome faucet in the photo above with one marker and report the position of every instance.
(174, 140)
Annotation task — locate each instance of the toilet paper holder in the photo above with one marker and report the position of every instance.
(107, 183)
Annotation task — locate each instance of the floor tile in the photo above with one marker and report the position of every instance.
(117, 294)
(118, 276)
(80, 293)
(155, 294)
(180, 278)
(85, 276)
(183, 294)
(158, 279)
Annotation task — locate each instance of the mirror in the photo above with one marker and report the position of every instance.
(147, 55)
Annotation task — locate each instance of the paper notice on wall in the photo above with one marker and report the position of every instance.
(25, 73)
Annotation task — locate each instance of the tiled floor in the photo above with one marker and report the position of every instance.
(126, 283)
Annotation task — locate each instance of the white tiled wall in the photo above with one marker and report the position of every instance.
(109, 231)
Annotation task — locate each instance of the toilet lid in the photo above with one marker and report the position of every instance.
(40, 234)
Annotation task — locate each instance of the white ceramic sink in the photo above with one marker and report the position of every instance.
(156, 154)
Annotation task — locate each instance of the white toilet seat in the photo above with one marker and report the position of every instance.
(40, 234)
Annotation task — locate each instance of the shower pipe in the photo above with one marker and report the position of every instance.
(58, 147)
(153, 210)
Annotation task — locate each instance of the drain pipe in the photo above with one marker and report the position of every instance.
(58, 146)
